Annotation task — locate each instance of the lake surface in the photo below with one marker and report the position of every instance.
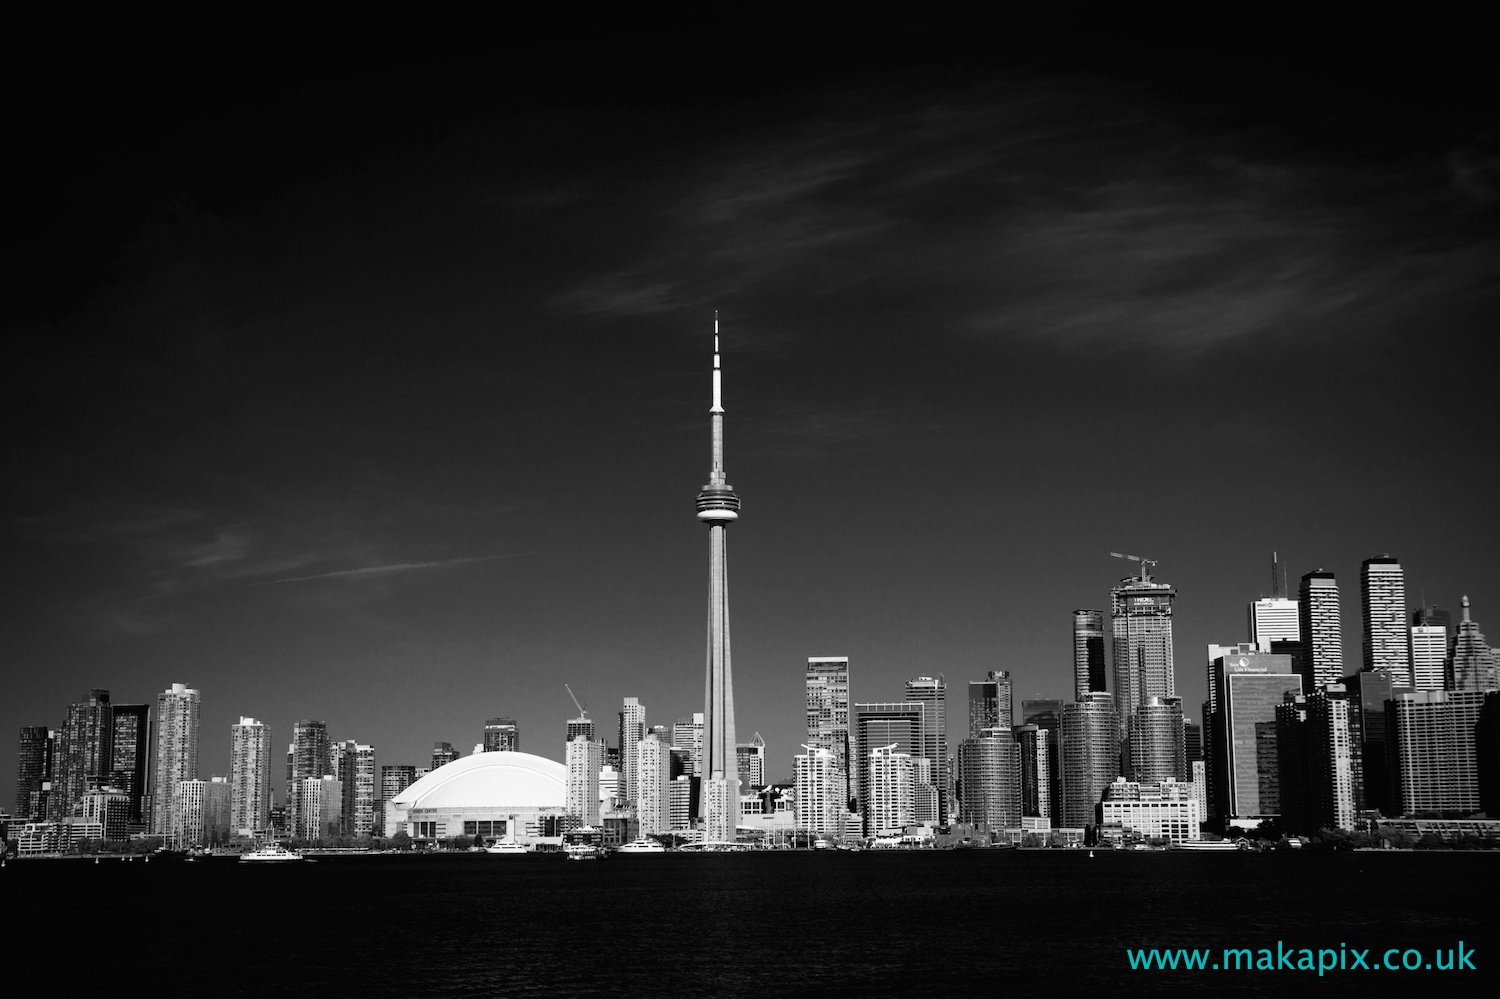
(986, 923)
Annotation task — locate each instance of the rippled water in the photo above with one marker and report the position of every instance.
(990, 923)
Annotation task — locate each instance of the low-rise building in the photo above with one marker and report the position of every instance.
(1164, 810)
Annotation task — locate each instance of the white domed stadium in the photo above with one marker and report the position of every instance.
(515, 797)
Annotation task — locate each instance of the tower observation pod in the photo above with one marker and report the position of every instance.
(718, 507)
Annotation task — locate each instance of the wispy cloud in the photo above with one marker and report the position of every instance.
(373, 571)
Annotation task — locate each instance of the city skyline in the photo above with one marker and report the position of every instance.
(333, 440)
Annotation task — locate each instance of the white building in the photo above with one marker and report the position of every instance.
(176, 752)
(1322, 658)
(202, 811)
(585, 758)
(1387, 644)
(1429, 656)
(249, 777)
(1273, 619)
(892, 781)
(632, 731)
(320, 808)
(1165, 810)
(502, 795)
(687, 733)
(722, 807)
(653, 768)
(822, 793)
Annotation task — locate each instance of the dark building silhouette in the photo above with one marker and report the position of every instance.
(33, 772)
(83, 754)
(129, 756)
(502, 735)
(1369, 690)
(1088, 652)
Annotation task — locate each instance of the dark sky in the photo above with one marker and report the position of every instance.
(359, 386)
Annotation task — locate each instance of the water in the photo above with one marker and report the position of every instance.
(987, 923)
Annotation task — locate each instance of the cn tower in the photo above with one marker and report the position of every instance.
(718, 507)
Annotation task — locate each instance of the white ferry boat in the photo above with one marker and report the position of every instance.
(643, 846)
(506, 848)
(1198, 845)
(271, 853)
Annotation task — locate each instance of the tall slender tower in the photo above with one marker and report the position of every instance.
(718, 507)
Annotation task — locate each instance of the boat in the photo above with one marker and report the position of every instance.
(271, 853)
(643, 846)
(506, 848)
(585, 851)
(1212, 845)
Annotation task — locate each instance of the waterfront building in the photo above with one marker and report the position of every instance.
(1432, 745)
(34, 772)
(1471, 664)
(1088, 654)
(632, 731)
(1248, 688)
(1047, 716)
(130, 754)
(1200, 787)
(249, 777)
(1322, 630)
(989, 771)
(1153, 810)
(822, 794)
(443, 754)
(319, 808)
(932, 694)
(502, 735)
(176, 751)
(1382, 599)
(720, 812)
(1090, 756)
(83, 753)
(687, 735)
(750, 762)
(1368, 691)
(364, 800)
(989, 702)
(200, 812)
(1316, 779)
(892, 782)
(585, 759)
(309, 755)
(682, 803)
(515, 797)
(1037, 755)
(394, 778)
(898, 723)
(653, 772)
(1156, 744)
(107, 808)
(828, 706)
(1429, 655)
(1141, 616)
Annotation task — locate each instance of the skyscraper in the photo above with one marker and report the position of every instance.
(989, 702)
(249, 777)
(1382, 598)
(1471, 663)
(932, 694)
(341, 766)
(750, 763)
(1249, 686)
(442, 753)
(1429, 655)
(1036, 771)
(308, 756)
(1088, 652)
(33, 772)
(899, 724)
(1157, 747)
(502, 735)
(989, 771)
(364, 798)
(394, 778)
(130, 751)
(687, 734)
(1047, 716)
(1432, 735)
(632, 731)
(822, 795)
(1141, 613)
(585, 758)
(319, 801)
(582, 725)
(1090, 751)
(83, 754)
(176, 751)
(718, 507)
(892, 805)
(200, 811)
(1368, 692)
(653, 772)
(1316, 760)
(1322, 630)
(828, 706)
(1273, 619)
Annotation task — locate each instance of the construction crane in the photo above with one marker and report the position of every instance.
(1136, 558)
(581, 713)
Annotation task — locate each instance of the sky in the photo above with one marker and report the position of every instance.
(375, 390)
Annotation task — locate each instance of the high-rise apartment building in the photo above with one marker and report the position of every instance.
(1090, 752)
(1156, 744)
(442, 753)
(899, 724)
(249, 777)
(1368, 691)
(365, 799)
(308, 756)
(83, 753)
(989, 772)
(341, 766)
(1321, 661)
(653, 775)
(750, 758)
(1432, 744)
(989, 702)
(319, 808)
(687, 735)
(200, 812)
(1036, 770)
(822, 793)
(130, 754)
(1382, 598)
(632, 731)
(828, 706)
(34, 772)
(585, 758)
(394, 778)
(176, 751)
(582, 725)
(1088, 653)
(932, 694)
(682, 802)
(892, 804)
(1429, 655)
(1047, 716)
(1471, 664)
(1141, 616)
(502, 735)
(1248, 688)
(1273, 619)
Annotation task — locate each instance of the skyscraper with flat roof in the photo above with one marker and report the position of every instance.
(1471, 663)
(1047, 716)
(1368, 692)
(990, 702)
(932, 694)
(33, 772)
(828, 706)
(249, 777)
(394, 778)
(442, 753)
(653, 785)
(1090, 751)
(1273, 619)
(130, 753)
(1141, 614)
(176, 750)
(1157, 748)
(1429, 655)
(1249, 687)
(989, 772)
(585, 758)
(502, 735)
(1036, 770)
(822, 793)
(892, 785)
(1432, 735)
(1088, 652)
(632, 731)
(899, 724)
(83, 753)
(1382, 598)
(1322, 655)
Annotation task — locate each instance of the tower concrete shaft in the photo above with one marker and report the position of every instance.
(718, 507)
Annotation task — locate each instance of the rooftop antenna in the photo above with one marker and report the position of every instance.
(1275, 579)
